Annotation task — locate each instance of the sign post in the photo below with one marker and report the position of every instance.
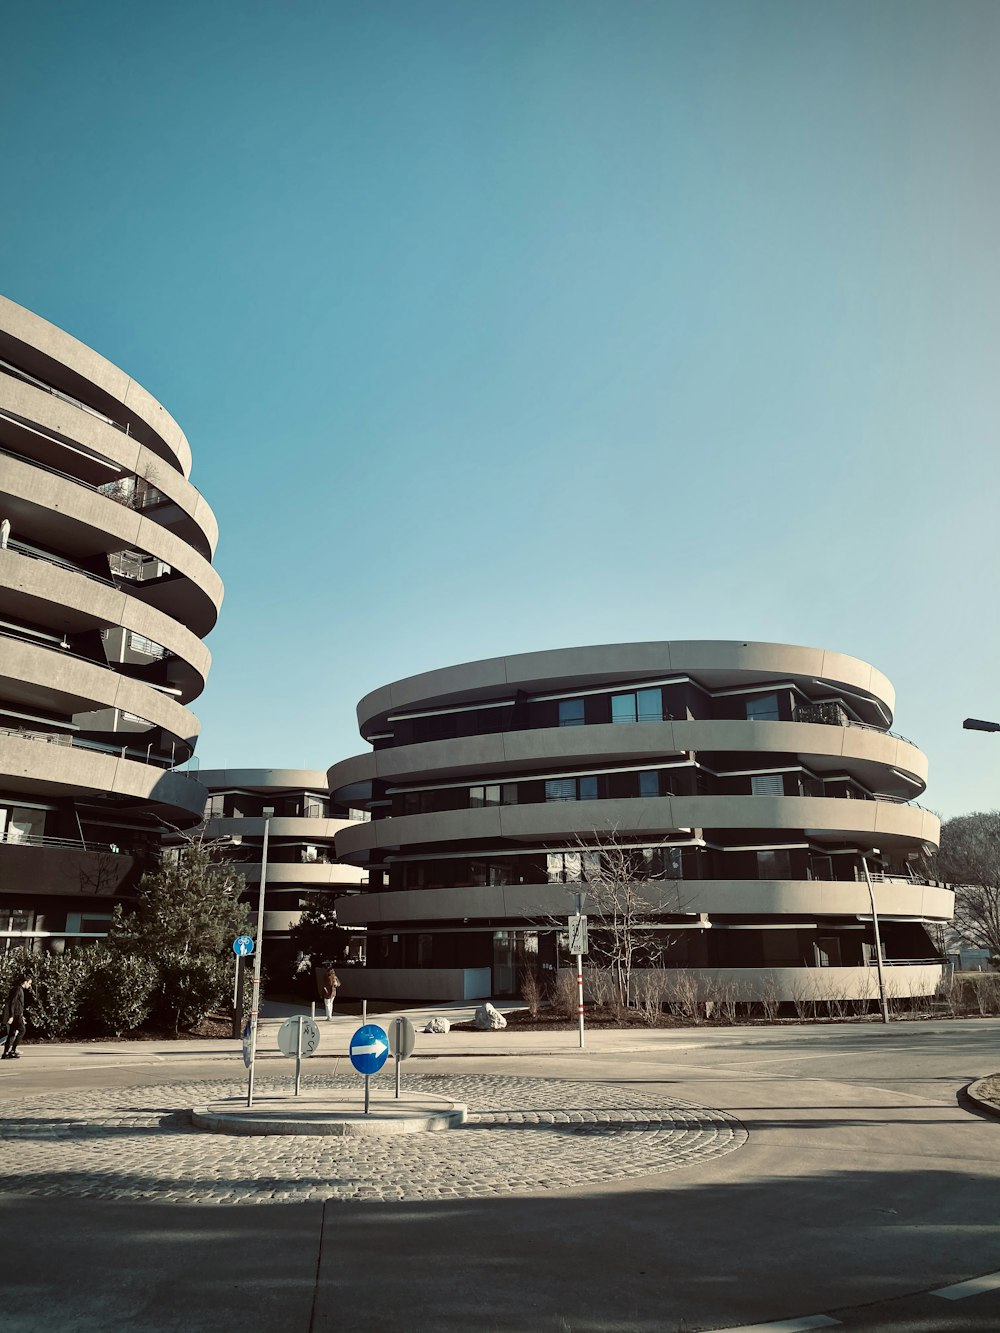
(402, 1037)
(298, 1036)
(242, 948)
(578, 944)
(369, 1050)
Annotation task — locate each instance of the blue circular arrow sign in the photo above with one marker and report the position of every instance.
(369, 1049)
(242, 946)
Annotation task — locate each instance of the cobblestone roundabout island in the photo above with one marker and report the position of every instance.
(523, 1135)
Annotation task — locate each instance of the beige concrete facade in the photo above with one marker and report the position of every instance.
(106, 592)
(728, 761)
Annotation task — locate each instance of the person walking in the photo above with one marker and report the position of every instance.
(14, 1017)
(330, 984)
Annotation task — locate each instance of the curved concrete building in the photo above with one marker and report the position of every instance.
(300, 851)
(742, 782)
(106, 591)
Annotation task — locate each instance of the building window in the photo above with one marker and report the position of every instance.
(649, 783)
(775, 863)
(763, 708)
(637, 706)
(571, 713)
(564, 867)
(827, 951)
(767, 784)
(20, 823)
(489, 794)
(571, 789)
(560, 789)
(15, 918)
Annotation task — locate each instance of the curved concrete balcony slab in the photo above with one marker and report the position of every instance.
(60, 769)
(41, 422)
(714, 663)
(51, 511)
(869, 755)
(281, 826)
(265, 779)
(522, 904)
(64, 600)
(56, 357)
(48, 677)
(311, 875)
(871, 823)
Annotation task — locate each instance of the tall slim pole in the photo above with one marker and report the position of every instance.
(579, 974)
(878, 944)
(255, 1000)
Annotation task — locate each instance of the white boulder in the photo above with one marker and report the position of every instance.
(488, 1019)
(438, 1025)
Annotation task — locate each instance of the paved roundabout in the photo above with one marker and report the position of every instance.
(523, 1135)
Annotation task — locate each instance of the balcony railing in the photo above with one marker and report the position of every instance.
(73, 844)
(147, 756)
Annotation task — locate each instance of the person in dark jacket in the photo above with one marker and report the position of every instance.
(14, 1018)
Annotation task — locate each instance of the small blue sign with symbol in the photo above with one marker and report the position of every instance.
(242, 946)
(369, 1049)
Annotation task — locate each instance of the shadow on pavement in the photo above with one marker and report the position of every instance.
(683, 1252)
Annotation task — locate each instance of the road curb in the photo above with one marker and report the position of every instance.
(974, 1093)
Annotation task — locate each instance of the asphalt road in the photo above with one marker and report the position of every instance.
(866, 1185)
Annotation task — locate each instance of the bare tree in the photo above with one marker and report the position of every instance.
(624, 912)
(969, 858)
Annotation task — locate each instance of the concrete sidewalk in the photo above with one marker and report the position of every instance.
(68, 1058)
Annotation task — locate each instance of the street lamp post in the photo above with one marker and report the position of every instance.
(255, 1001)
(878, 942)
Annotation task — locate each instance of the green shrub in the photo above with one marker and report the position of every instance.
(57, 991)
(118, 993)
(190, 985)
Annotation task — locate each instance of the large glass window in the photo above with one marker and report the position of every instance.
(560, 789)
(638, 706)
(649, 783)
(489, 794)
(775, 863)
(571, 713)
(763, 708)
(623, 708)
(564, 867)
(571, 789)
(20, 823)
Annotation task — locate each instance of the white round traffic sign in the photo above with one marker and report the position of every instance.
(288, 1037)
(402, 1037)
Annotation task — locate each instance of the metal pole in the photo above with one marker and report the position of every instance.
(399, 1035)
(255, 999)
(878, 944)
(364, 1011)
(366, 1094)
(579, 975)
(298, 1058)
(241, 972)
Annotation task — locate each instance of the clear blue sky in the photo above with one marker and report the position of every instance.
(521, 324)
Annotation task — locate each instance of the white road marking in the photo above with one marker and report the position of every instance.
(786, 1325)
(988, 1282)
